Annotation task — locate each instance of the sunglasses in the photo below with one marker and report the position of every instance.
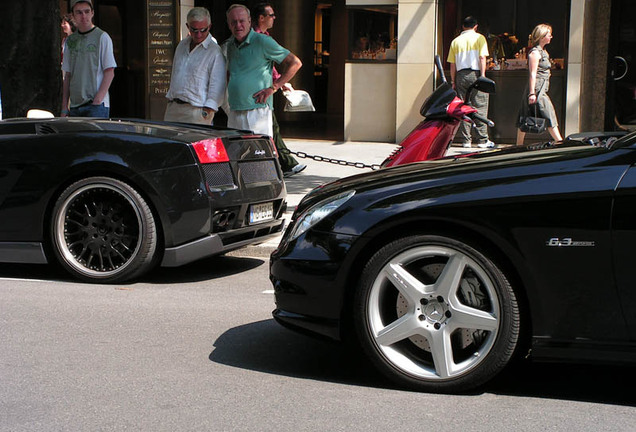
(270, 15)
(195, 30)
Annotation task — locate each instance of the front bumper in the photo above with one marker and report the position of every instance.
(306, 324)
(309, 276)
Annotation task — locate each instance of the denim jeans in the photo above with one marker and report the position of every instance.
(90, 110)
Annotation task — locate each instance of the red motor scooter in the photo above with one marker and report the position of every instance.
(442, 112)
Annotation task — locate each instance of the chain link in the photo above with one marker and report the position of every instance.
(340, 162)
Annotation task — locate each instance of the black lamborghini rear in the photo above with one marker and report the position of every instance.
(109, 199)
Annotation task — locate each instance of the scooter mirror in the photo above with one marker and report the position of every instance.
(485, 85)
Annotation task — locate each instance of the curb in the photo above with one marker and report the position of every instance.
(254, 251)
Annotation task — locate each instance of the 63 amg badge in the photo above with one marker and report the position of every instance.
(568, 242)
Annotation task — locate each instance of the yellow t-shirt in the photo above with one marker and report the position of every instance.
(466, 49)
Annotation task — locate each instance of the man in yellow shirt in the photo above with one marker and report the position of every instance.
(467, 58)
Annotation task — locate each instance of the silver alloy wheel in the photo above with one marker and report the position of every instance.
(98, 230)
(433, 312)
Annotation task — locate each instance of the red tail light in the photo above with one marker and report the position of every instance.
(271, 141)
(211, 151)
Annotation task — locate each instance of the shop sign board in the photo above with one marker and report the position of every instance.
(161, 44)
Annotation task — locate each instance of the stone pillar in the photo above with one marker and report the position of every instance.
(294, 29)
(574, 69)
(594, 65)
(338, 55)
(184, 8)
(415, 62)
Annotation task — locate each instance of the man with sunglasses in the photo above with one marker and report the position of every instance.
(88, 66)
(263, 17)
(197, 85)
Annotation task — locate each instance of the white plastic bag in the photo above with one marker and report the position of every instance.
(297, 100)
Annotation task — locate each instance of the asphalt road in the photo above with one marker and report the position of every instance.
(196, 348)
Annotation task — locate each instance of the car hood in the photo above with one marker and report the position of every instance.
(494, 166)
(172, 131)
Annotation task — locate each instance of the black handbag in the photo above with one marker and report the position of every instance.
(536, 124)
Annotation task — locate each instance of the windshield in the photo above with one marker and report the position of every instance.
(435, 105)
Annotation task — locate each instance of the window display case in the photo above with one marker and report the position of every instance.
(373, 33)
(507, 25)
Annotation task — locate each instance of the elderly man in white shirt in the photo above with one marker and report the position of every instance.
(197, 86)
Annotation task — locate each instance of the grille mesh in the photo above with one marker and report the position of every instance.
(218, 174)
(258, 171)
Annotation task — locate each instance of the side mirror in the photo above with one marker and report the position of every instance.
(482, 84)
(485, 85)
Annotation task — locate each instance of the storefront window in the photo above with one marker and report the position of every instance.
(373, 33)
(507, 25)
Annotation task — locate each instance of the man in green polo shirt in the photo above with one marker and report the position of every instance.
(250, 58)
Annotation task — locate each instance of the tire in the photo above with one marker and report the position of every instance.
(434, 314)
(103, 231)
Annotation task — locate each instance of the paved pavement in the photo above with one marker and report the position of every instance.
(320, 172)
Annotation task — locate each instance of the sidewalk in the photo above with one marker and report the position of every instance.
(320, 172)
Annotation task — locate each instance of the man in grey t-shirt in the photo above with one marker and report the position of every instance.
(89, 66)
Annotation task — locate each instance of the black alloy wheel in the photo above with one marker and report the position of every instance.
(434, 314)
(103, 231)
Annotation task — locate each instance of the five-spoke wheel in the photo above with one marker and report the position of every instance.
(103, 230)
(435, 314)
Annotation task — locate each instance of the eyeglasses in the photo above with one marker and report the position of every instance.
(271, 15)
(195, 30)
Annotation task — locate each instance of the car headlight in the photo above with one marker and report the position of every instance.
(318, 212)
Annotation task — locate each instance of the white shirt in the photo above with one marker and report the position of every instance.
(198, 76)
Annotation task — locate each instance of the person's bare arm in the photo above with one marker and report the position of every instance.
(482, 66)
(290, 65)
(453, 72)
(533, 65)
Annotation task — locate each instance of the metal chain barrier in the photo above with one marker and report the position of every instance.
(317, 158)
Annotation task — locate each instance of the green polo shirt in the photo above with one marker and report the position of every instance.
(250, 67)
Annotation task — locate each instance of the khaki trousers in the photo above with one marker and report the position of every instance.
(186, 113)
(463, 79)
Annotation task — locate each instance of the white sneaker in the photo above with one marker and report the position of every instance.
(295, 170)
(487, 144)
(467, 145)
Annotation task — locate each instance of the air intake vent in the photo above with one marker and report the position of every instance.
(258, 171)
(45, 129)
(218, 175)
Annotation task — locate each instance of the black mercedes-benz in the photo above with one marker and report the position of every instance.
(110, 199)
(444, 271)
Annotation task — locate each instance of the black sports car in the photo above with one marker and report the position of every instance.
(443, 271)
(109, 199)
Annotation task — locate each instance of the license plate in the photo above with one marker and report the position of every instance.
(261, 212)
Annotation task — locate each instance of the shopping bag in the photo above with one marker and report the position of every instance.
(298, 101)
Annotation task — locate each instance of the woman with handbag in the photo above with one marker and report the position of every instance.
(536, 103)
